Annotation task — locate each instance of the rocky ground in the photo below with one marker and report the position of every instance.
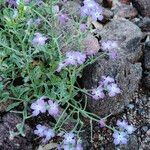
(129, 25)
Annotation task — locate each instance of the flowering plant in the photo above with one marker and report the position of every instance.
(33, 63)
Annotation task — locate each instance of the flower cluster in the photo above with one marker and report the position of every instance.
(40, 106)
(70, 142)
(63, 18)
(44, 132)
(92, 9)
(123, 125)
(11, 3)
(72, 58)
(121, 137)
(110, 47)
(39, 39)
(106, 85)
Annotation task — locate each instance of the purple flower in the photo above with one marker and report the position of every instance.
(97, 14)
(63, 18)
(59, 147)
(11, 3)
(130, 129)
(49, 133)
(92, 9)
(89, 3)
(68, 147)
(80, 58)
(83, 27)
(69, 138)
(102, 123)
(109, 45)
(38, 106)
(40, 130)
(43, 131)
(39, 39)
(107, 80)
(74, 58)
(113, 89)
(70, 58)
(120, 137)
(79, 146)
(122, 124)
(98, 93)
(53, 108)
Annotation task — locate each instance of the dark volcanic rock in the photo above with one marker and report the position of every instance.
(144, 24)
(146, 81)
(127, 34)
(8, 123)
(127, 77)
(143, 7)
(126, 74)
(147, 56)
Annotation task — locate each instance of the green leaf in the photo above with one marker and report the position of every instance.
(12, 106)
(20, 127)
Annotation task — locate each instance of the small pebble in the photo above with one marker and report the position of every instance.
(148, 132)
(145, 128)
(130, 106)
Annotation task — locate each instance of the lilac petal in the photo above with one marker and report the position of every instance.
(122, 124)
(53, 108)
(130, 129)
(69, 138)
(116, 141)
(40, 130)
(49, 134)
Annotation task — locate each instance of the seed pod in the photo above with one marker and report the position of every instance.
(143, 7)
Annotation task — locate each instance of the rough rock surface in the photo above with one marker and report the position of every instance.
(72, 8)
(90, 44)
(125, 11)
(146, 65)
(147, 56)
(144, 24)
(142, 6)
(146, 80)
(8, 123)
(127, 77)
(126, 74)
(127, 34)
